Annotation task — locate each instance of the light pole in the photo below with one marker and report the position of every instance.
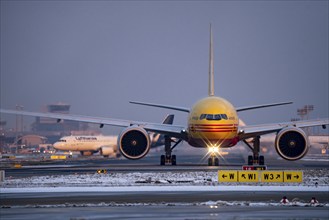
(19, 124)
(305, 112)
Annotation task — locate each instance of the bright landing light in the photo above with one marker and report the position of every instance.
(213, 150)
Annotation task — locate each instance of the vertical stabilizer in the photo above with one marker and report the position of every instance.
(211, 66)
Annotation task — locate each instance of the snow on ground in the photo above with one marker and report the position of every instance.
(312, 180)
(164, 182)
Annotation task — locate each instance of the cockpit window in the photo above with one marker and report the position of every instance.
(210, 117)
(213, 117)
(62, 140)
(224, 116)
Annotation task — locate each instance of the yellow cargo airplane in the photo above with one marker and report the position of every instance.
(213, 123)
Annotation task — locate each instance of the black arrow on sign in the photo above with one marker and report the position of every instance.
(224, 176)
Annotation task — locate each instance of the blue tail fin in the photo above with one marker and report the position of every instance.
(158, 139)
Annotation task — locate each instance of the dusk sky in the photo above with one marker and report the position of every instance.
(99, 55)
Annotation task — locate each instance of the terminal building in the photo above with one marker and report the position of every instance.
(51, 127)
(47, 129)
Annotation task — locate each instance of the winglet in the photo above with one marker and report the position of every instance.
(211, 66)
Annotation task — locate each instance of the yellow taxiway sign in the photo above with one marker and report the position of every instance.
(248, 176)
(228, 176)
(272, 176)
(293, 176)
(266, 176)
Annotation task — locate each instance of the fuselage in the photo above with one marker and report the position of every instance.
(85, 143)
(213, 122)
(94, 143)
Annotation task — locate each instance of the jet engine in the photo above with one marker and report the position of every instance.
(87, 153)
(291, 143)
(107, 151)
(134, 142)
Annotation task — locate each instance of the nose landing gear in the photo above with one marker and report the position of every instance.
(213, 160)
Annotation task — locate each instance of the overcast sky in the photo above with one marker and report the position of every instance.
(98, 55)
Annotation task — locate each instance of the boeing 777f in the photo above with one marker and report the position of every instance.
(212, 123)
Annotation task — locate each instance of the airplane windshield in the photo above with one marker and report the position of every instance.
(213, 117)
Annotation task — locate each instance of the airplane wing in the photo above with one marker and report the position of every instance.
(176, 131)
(250, 131)
(171, 130)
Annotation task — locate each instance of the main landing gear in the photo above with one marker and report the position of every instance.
(255, 159)
(168, 158)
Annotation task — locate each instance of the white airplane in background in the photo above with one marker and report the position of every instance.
(105, 145)
(88, 145)
(212, 123)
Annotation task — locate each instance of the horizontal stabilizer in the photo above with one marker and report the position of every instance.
(182, 109)
(240, 109)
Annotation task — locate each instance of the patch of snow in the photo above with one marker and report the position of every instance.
(313, 180)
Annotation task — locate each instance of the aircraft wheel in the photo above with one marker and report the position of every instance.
(216, 161)
(162, 160)
(209, 161)
(173, 160)
(250, 160)
(261, 160)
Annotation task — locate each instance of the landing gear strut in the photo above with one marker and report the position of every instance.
(168, 158)
(255, 159)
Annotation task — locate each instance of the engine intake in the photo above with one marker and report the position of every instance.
(291, 143)
(134, 142)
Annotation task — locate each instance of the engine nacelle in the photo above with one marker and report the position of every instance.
(107, 151)
(134, 142)
(291, 143)
(87, 153)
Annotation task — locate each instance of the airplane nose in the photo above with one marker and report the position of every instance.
(58, 146)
